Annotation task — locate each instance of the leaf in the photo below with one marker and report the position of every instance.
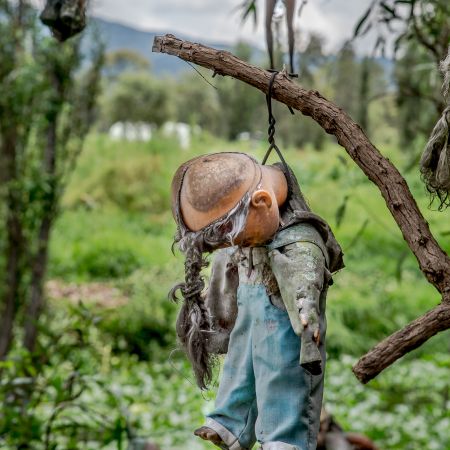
(20, 381)
(380, 44)
(343, 160)
(340, 212)
(250, 7)
(358, 234)
(362, 21)
(367, 29)
(399, 267)
(398, 42)
(389, 9)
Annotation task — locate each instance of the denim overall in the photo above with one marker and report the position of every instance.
(264, 394)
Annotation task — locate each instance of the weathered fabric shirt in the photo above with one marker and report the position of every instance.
(293, 268)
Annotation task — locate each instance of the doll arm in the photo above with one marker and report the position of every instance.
(300, 270)
(310, 283)
(221, 299)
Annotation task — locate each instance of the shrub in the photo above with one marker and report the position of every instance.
(147, 322)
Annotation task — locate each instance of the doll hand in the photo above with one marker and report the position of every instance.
(309, 317)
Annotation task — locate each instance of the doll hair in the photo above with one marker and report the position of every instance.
(435, 161)
(193, 323)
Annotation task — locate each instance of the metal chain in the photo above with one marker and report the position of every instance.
(271, 130)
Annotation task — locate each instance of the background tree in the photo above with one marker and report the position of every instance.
(418, 34)
(137, 97)
(122, 60)
(45, 113)
(240, 104)
(196, 103)
(311, 58)
(344, 77)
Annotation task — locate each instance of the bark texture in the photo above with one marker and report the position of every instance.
(10, 297)
(36, 299)
(395, 346)
(433, 261)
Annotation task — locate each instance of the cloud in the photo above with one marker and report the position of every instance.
(220, 21)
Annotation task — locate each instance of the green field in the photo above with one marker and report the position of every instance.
(116, 230)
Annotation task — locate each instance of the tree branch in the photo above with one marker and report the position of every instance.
(401, 342)
(433, 261)
(431, 47)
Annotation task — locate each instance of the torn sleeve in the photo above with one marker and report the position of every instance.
(300, 270)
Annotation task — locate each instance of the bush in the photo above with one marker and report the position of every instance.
(147, 322)
(136, 97)
(109, 259)
(405, 408)
(78, 395)
(106, 244)
(58, 399)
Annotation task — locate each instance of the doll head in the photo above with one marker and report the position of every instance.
(229, 199)
(218, 200)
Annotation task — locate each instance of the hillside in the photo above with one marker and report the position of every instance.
(117, 36)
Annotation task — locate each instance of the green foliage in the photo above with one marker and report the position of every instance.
(62, 402)
(105, 244)
(311, 58)
(135, 185)
(46, 109)
(136, 97)
(207, 113)
(419, 33)
(83, 396)
(145, 324)
(122, 60)
(380, 290)
(421, 22)
(404, 409)
(418, 93)
(240, 103)
(343, 79)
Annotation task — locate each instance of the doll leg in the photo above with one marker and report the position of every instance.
(289, 399)
(235, 411)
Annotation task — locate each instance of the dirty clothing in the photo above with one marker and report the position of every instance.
(264, 394)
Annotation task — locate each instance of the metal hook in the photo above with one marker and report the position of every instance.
(271, 130)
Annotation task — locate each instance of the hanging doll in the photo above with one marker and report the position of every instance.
(65, 18)
(265, 303)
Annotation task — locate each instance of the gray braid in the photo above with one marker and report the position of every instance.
(193, 323)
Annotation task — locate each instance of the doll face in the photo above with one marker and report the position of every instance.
(263, 219)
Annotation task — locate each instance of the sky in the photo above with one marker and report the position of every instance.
(218, 21)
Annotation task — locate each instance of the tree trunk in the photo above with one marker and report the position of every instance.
(36, 300)
(14, 241)
(39, 262)
(433, 261)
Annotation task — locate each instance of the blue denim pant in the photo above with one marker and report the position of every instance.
(264, 394)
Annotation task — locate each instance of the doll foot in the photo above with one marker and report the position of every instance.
(209, 434)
